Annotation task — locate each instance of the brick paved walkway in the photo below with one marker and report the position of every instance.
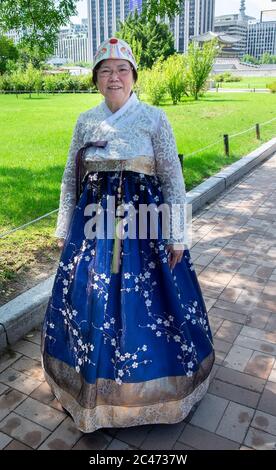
(234, 250)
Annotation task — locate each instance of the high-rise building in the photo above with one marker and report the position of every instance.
(261, 39)
(196, 17)
(73, 48)
(72, 43)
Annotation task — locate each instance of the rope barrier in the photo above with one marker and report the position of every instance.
(5, 234)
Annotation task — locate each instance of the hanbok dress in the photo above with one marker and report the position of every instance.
(126, 340)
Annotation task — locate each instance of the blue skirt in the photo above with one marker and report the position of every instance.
(131, 347)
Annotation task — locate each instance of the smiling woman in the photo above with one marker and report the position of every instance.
(126, 337)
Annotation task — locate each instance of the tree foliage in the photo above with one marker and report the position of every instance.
(153, 8)
(37, 21)
(175, 76)
(8, 52)
(150, 38)
(266, 58)
(249, 59)
(153, 83)
(200, 61)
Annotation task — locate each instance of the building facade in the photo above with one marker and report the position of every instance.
(255, 37)
(196, 16)
(235, 25)
(72, 43)
(261, 38)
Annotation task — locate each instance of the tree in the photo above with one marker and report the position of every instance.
(268, 58)
(175, 75)
(153, 82)
(32, 79)
(149, 38)
(37, 21)
(33, 54)
(249, 59)
(200, 61)
(8, 52)
(154, 8)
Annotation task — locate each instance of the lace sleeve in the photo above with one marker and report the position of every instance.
(68, 185)
(169, 171)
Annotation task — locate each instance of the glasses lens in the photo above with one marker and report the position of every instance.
(104, 72)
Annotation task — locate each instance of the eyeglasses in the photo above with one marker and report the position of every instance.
(121, 71)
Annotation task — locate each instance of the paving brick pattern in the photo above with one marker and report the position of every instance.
(234, 253)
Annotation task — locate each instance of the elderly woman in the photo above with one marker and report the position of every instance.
(126, 338)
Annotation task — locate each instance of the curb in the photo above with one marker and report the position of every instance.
(215, 185)
(26, 311)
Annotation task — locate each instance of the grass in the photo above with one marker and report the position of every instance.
(198, 124)
(249, 82)
(35, 137)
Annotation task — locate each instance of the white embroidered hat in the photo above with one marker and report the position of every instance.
(114, 48)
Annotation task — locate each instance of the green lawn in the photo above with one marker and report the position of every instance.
(249, 82)
(35, 136)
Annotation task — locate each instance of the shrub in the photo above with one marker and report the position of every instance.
(227, 77)
(175, 76)
(153, 83)
(50, 83)
(272, 87)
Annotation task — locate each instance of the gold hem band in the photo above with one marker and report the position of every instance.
(110, 416)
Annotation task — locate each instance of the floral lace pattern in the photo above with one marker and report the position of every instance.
(169, 171)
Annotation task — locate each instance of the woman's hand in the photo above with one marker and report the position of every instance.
(60, 243)
(175, 254)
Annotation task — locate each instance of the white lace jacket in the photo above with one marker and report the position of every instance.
(137, 129)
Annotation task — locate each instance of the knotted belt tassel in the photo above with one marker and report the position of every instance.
(117, 247)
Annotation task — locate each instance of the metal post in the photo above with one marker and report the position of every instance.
(258, 133)
(226, 144)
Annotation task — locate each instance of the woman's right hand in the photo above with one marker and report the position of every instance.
(60, 243)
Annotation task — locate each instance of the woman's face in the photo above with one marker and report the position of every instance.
(115, 81)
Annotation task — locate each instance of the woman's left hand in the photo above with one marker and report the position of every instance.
(175, 254)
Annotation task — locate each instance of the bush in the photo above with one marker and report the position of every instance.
(70, 83)
(153, 83)
(51, 83)
(272, 87)
(85, 83)
(17, 82)
(175, 76)
(232, 78)
(5, 84)
(33, 80)
(227, 77)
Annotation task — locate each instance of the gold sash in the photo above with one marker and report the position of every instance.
(141, 164)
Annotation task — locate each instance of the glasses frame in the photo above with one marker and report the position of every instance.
(110, 72)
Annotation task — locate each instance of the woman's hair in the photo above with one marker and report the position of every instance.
(94, 75)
